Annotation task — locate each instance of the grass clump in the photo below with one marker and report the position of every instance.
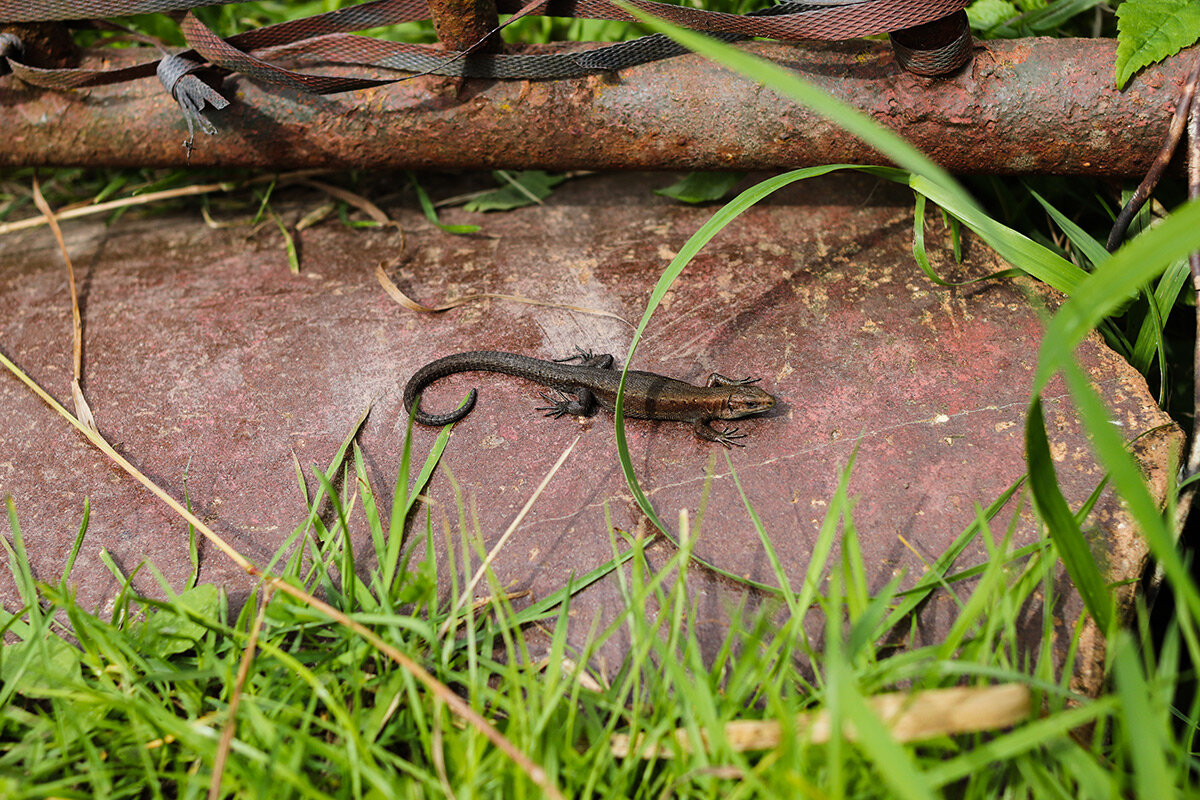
(137, 701)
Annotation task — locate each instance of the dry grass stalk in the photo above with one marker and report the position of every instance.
(910, 717)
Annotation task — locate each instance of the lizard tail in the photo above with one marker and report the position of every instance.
(413, 406)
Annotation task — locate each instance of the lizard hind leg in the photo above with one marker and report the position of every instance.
(582, 405)
(556, 406)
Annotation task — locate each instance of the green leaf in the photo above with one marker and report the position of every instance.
(38, 664)
(985, 14)
(702, 187)
(1150, 30)
(522, 189)
(168, 631)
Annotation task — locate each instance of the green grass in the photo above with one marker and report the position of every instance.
(133, 703)
(136, 702)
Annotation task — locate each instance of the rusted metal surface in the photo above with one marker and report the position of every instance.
(1023, 106)
(461, 24)
(206, 359)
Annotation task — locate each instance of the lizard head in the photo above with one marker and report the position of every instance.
(746, 400)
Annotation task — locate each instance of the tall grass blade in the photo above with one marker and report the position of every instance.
(1062, 525)
(927, 178)
(1143, 726)
(1091, 248)
(707, 231)
(1112, 452)
(1136, 264)
(405, 497)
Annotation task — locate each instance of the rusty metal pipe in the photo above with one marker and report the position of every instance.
(1025, 106)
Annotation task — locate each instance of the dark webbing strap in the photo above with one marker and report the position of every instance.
(802, 19)
(817, 19)
(51, 10)
(330, 38)
(340, 47)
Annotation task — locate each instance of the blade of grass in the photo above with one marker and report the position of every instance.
(1127, 479)
(314, 505)
(1136, 264)
(690, 248)
(78, 543)
(851, 716)
(1043, 733)
(1061, 524)
(289, 242)
(781, 576)
(1014, 247)
(1091, 248)
(541, 608)
(922, 257)
(1143, 726)
(818, 562)
(405, 497)
(430, 211)
(18, 562)
(352, 587)
(1150, 340)
(504, 537)
(935, 576)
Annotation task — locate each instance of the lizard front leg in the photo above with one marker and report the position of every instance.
(704, 430)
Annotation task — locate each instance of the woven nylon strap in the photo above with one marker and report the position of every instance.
(329, 38)
(829, 20)
(323, 37)
(796, 19)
